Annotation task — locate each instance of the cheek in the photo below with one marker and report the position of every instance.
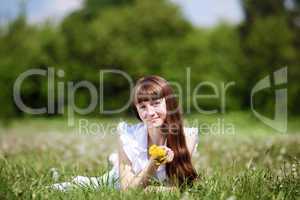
(162, 112)
(163, 108)
(142, 114)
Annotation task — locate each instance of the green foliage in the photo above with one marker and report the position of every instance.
(270, 41)
(151, 37)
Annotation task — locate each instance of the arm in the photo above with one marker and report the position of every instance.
(127, 177)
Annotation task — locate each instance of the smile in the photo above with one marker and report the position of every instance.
(154, 119)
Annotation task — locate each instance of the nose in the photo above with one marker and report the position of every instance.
(150, 111)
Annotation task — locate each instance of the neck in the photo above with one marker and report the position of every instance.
(156, 136)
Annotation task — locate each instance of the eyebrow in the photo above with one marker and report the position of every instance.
(155, 100)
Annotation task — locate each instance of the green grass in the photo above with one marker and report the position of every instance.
(253, 163)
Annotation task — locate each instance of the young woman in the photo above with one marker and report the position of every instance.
(155, 105)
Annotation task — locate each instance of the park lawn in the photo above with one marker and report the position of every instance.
(255, 162)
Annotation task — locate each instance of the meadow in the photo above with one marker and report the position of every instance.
(253, 162)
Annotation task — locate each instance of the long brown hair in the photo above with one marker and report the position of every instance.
(180, 170)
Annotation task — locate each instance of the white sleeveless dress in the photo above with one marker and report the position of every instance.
(135, 141)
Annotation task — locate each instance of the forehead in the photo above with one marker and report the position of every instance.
(147, 92)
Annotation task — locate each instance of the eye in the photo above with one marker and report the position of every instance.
(142, 107)
(156, 103)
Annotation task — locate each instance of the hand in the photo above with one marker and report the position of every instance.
(161, 154)
(169, 156)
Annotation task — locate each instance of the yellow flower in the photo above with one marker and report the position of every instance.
(157, 153)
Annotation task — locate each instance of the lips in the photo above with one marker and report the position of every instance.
(154, 118)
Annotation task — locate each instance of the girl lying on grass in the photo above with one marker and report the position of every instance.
(158, 148)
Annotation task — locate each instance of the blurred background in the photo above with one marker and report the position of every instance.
(239, 41)
(232, 41)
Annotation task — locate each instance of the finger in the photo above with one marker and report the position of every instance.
(162, 159)
(165, 147)
(170, 156)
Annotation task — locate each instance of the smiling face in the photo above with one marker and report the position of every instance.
(152, 112)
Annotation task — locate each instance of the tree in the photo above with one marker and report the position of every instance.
(269, 42)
